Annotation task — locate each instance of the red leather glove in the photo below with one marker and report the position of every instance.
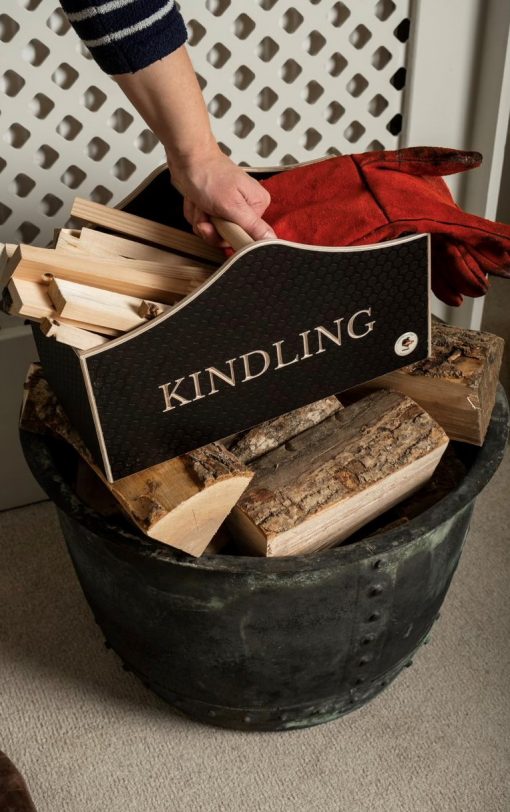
(376, 196)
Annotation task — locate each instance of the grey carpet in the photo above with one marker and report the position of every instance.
(89, 738)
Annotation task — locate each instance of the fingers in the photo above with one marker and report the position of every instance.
(423, 160)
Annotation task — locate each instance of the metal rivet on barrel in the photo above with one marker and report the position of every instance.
(212, 713)
(375, 590)
(374, 616)
(369, 638)
(377, 565)
(247, 719)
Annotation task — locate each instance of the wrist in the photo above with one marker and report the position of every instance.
(183, 159)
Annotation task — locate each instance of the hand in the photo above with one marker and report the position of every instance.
(213, 185)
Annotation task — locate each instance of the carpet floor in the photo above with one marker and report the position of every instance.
(88, 737)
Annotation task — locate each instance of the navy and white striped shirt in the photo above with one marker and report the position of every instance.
(124, 36)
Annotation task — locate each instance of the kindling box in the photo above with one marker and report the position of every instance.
(278, 325)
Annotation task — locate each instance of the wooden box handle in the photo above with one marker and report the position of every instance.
(232, 233)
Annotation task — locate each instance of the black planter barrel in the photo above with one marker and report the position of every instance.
(268, 644)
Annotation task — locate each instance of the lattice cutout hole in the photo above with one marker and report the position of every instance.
(312, 92)
(224, 148)
(58, 22)
(73, 176)
(291, 20)
(403, 30)
(267, 5)
(218, 55)
(398, 80)
(288, 160)
(201, 81)
(384, 9)
(311, 138)
(243, 126)
(3, 164)
(11, 83)
(266, 98)
(339, 14)
(336, 64)
(8, 28)
(123, 169)
(267, 49)
(290, 71)
(16, 135)
(314, 43)
(146, 141)
(243, 26)
(30, 5)
(93, 98)
(243, 77)
(357, 85)
(375, 146)
(196, 32)
(219, 105)
(334, 112)
(100, 194)
(51, 204)
(69, 128)
(377, 105)
(5, 213)
(217, 7)
(288, 119)
(380, 58)
(65, 76)
(35, 53)
(354, 132)
(27, 232)
(265, 146)
(22, 185)
(46, 156)
(41, 106)
(394, 126)
(360, 36)
(120, 120)
(97, 149)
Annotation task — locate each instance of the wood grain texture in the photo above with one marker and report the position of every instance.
(31, 299)
(96, 306)
(72, 336)
(456, 385)
(273, 433)
(314, 491)
(142, 278)
(180, 502)
(98, 243)
(134, 226)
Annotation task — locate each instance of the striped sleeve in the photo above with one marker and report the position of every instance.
(124, 36)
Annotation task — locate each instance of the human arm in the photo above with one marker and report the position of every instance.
(140, 43)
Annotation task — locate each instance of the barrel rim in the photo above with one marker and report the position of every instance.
(488, 458)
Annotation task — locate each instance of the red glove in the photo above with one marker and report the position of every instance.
(376, 196)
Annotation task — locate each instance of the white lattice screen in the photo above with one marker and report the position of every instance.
(284, 80)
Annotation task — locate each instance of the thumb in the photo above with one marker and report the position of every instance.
(254, 226)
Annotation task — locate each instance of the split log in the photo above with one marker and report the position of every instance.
(96, 306)
(276, 432)
(31, 299)
(147, 230)
(314, 491)
(73, 336)
(142, 278)
(101, 244)
(456, 385)
(181, 502)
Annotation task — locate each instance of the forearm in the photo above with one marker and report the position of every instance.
(167, 95)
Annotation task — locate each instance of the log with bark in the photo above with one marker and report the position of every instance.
(181, 502)
(315, 490)
(456, 384)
